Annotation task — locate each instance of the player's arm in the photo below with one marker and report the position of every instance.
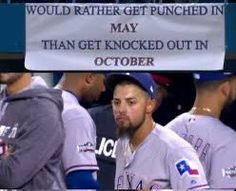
(186, 170)
(79, 158)
(42, 136)
(223, 167)
(81, 179)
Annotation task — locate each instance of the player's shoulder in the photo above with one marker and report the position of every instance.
(72, 107)
(69, 98)
(225, 128)
(218, 133)
(178, 120)
(224, 133)
(70, 101)
(169, 138)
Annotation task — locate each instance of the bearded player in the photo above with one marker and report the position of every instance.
(148, 156)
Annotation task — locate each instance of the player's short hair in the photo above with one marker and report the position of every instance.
(211, 80)
(210, 85)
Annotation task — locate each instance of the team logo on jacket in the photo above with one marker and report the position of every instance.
(229, 172)
(184, 166)
(87, 147)
(8, 131)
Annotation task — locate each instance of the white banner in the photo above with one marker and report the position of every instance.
(150, 37)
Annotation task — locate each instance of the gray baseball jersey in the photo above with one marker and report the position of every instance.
(80, 141)
(163, 160)
(215, 144)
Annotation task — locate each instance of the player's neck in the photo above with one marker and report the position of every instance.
(207, 103)
(141, 134)
(204, 110)
(19, 85)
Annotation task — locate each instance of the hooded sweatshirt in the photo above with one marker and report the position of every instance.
(31, 127)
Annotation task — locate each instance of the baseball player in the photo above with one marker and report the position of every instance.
(214, 142)
(31, 134)
(148, 156)
(106, 133)
(78, 156)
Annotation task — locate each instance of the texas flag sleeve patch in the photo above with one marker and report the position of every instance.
(184, 166)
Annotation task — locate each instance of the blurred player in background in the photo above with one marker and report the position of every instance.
(175, 95)
(79, 160)
(202, 128)
(148, 156)
(31, 134)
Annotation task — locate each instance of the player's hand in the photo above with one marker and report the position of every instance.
(4, 150)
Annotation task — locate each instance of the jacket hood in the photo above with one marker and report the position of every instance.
(40, 93)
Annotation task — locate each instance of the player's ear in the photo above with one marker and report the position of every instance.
(225, 88)
(151, 105)
(89, 78)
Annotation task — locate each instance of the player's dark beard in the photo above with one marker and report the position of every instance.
(130, 130)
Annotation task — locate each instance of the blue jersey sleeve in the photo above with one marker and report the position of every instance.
(81, 179)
